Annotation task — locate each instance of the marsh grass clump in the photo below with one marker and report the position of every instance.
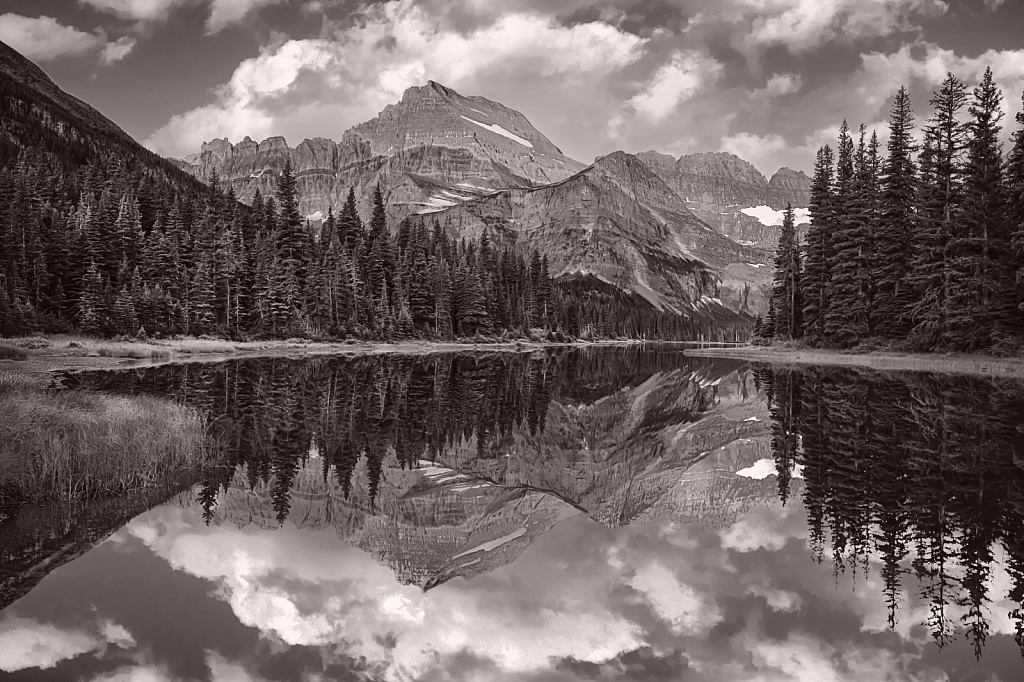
(12, 353)
(59, 445)
(139, 351)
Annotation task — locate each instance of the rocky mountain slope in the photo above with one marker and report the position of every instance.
(620, 222)
(644, 227)
(34, 109)
(731, 195)
(427, 151)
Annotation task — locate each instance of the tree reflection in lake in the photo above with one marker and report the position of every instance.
(566, 515)
(924, 472)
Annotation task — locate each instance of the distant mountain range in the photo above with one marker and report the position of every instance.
(693, 235)
(687, 234)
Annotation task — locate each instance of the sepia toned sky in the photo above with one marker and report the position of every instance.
(770, 80)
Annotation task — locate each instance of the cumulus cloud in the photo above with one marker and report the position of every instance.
(804, 659)
(140, 673)
(26, 643)
(760, 150)
(222, 12)
(681, 78)
(138, 10)
(766, 528)
(801, 25)
(117, 50)
(778, 85)
(278, 582)
(226, 12)
(346, 78)
(680, 605)
(45, 39)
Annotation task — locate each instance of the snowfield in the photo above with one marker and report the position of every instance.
(772, 218)
(498, 130)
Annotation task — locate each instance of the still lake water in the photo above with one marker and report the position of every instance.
(603, 514)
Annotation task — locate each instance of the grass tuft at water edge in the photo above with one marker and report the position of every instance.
(58, 445)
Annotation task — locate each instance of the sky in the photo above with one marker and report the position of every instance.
(769, 80)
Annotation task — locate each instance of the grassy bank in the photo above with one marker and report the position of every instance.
(983, 365)
(44, 354)
(64, 445)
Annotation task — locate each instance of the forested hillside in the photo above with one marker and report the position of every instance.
(922, 248)
(100, 235)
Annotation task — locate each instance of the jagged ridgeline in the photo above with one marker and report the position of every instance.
(920, 474)
(98, 234)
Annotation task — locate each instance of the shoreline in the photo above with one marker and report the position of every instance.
(885, 361)
(59, 357)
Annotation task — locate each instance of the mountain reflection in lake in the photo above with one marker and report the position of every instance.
(566, 515)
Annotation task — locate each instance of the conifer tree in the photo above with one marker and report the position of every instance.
(842, 210)
(980, 245)
(896, 226)
(1015, 210)
(818, 258)
(940, 206)
(786, 294)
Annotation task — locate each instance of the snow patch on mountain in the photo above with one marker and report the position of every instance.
(768, 216)
(435, 204)
(498, 130)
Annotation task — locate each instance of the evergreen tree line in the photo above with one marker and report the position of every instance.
(920, 472)
(923, 246)
(114, 248)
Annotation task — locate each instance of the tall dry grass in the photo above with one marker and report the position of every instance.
(64, 445)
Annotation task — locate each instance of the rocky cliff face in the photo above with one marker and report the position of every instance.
(731, 195)
(432, 149)
(620, 222)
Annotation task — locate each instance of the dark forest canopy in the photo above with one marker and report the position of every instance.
(99, 235)
(923, 248)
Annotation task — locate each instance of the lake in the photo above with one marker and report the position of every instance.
(561, 515)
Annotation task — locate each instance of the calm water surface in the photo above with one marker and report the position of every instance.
(614, 514)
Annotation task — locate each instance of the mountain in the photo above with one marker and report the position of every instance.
(34, 112)
(473, 163)
(731, 195)
(426, 150)
(619, 222)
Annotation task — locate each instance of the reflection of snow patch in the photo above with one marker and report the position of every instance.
(439, 474)
(751, 419)
(488, 546)
(772, 218)
(470, 486)
(763, 468)
(756, 265)
(498, 130)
